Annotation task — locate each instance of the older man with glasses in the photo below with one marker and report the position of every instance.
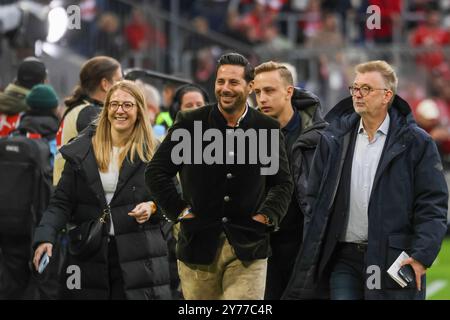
(376, 189)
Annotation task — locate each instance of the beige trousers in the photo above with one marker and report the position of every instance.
(227, 278)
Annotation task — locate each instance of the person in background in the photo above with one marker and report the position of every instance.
(97, 76)
(31, 72)
(164, 117)
(153, 99)
(41, 119)
(16, 279)
(432, 37)
(188, 97)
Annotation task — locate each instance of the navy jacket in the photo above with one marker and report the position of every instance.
(407, 207)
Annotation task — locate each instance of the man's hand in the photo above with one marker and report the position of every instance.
(418, 268)
(260, 218)
(186, 214)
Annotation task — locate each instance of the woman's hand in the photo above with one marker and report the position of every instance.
(143, 211)
(43, 247)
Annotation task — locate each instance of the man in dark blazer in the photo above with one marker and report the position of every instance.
(376, 189)
(230, 204)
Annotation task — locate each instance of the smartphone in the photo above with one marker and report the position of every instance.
(407, 273)
(43, 263)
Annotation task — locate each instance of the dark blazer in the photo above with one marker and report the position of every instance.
(79, 197)
(407, 208)
(223, 197)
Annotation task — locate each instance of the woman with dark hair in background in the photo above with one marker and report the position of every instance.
(103, 181)
(189, 96)
(97, 76)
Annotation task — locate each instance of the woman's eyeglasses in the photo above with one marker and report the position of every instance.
(126, 105)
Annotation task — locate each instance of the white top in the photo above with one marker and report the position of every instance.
(364, 167)
(109, 180)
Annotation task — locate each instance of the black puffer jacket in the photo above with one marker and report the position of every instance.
(79, 197)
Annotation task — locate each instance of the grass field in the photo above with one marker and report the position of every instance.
(438, 276)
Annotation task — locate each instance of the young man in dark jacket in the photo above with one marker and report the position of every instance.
(231, 203)
(376, 188)
(298, 112)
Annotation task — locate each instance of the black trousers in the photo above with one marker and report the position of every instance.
(280, 266)
(18, 279)
(14, 266)
(116, 285)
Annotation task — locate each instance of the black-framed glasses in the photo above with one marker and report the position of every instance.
(363, 90)
(126, 105)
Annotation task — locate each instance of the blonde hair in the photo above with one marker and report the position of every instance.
(141, 141)
(284, 72)
(384, 68)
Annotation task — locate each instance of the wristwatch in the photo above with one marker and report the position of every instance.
(184, 213)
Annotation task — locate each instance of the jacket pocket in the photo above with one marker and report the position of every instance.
(258, 226)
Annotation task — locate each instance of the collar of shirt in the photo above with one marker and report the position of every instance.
(243, 116)
(383, 128)
(222, 121)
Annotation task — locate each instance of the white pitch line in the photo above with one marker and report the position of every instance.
(435, 286)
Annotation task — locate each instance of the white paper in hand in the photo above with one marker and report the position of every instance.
(393, 269)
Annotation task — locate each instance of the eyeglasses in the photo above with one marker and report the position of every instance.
(363, 90)
(126, 105)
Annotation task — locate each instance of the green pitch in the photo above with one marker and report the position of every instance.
(438, 276)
